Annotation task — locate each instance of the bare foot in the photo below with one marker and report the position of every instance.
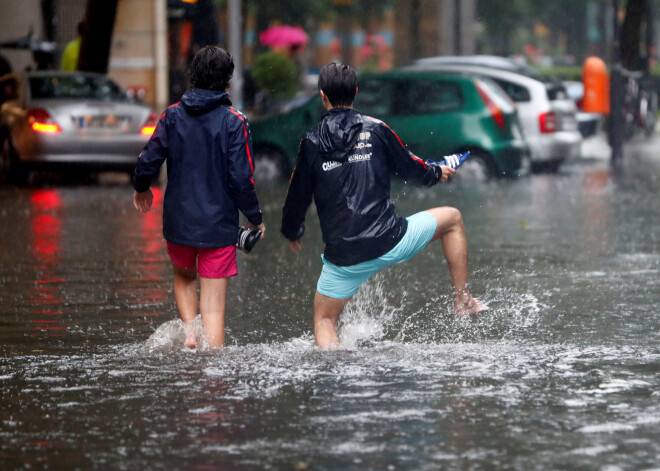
(330, 346)
(191, 342)
(469, 307)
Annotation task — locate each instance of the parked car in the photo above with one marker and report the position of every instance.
(491, 62)
(59, 120)
(275, 137)
(588, 123)
(435, 114)
(547, 114)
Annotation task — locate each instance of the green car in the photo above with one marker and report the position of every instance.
(435, 114)
(275, 138)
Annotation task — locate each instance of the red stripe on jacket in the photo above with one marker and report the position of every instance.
(247, 145)
(411, 155)
(165, 112)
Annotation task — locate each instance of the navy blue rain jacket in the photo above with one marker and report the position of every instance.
(345, 163)
(208, 148)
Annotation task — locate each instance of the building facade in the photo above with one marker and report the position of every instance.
(153, 40)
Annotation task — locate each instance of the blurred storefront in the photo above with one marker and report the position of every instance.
(154, 40)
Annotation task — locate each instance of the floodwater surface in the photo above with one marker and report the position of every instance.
(561, 372)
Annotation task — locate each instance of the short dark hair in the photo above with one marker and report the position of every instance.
(339, 83)
(211, 68)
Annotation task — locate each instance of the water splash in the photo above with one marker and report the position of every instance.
(171, 335)
(369, 315)
(374, 315)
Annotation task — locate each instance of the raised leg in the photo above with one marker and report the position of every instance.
(451, 232)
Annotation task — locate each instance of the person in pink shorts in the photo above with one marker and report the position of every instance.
(208, 148)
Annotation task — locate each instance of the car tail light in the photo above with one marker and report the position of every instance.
(548, 122)
(495, 110)
(42, 122)
(150, 125)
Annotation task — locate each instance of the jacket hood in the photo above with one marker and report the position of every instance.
(338, 133)
(199, 101)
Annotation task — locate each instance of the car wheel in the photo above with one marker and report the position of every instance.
(477, 168)
(270, 165)
(551, 166)
(10, 165)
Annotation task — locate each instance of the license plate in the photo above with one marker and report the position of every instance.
(104, 122)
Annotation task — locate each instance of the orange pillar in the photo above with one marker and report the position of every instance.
(596, 86)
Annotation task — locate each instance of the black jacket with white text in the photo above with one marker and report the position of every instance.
(345, 164)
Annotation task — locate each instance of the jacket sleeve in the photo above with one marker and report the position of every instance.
(240, 168)
(407, 165)
(300, 193)
(152, 157)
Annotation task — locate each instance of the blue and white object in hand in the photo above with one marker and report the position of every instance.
(454, 160)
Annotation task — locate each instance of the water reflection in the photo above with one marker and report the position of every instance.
(46, 226)
(597, 184)
(151, 245)
(46, 243)
(560, 373)
(139, 248)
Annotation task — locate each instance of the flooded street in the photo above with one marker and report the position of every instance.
(562, 371)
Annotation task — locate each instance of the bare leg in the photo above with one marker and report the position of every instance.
(454, 245)
(326, 314)
(212, 299)
(185, 293)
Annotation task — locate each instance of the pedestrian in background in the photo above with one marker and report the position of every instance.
(71, 53)
(208, 148)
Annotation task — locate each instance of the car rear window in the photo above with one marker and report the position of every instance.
(496, 93)
(517, 93)
(431, 96)
(75, 87)
(556, 92)
(375, 97)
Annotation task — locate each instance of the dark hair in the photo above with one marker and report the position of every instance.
(339, 83)
(211, 68)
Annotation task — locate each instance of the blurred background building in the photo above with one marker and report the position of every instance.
(152, 41)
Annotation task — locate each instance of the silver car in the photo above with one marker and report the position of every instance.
(52, 119)
(547, 114)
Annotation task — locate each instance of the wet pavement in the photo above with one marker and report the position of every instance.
(562, 371)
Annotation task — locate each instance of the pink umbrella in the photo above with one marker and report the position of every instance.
(278, 36)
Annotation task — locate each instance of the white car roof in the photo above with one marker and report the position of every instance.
(487, 71)
(495, 62)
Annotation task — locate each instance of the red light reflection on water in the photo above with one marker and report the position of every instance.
(151, 226)
(46, 243)
(46, 227)
(151, 246)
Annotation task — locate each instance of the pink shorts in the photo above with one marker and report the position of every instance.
(211, 263)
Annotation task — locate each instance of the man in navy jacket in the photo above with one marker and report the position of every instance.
(344, 164)
(208, 148)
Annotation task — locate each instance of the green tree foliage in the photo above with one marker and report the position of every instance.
(501, 18)
(275, 73)
(567, 17)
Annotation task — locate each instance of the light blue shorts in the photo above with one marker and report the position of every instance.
(342, 282)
